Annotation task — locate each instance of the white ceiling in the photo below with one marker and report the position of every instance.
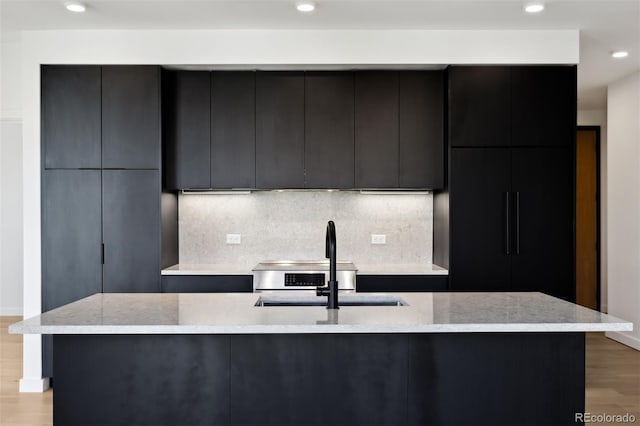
(605, 25)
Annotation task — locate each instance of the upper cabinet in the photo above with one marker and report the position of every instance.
(186, 99)
(376, 129)
(329, 138)
(421, 135)
(233, 129)
(280, 129)
(512, 105)
(131, 117)
(71, 116)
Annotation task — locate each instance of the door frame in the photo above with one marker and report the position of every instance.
(598, 217)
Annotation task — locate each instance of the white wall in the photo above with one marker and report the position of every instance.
(10, 180)
(623, 186)
(598, 117)
(290, 47)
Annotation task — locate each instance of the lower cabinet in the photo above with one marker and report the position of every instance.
(401, 283)
(207, 283)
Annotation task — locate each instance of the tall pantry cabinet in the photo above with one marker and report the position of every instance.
(101, 187)
(511, 185)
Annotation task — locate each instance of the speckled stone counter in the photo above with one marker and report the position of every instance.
(228, 313)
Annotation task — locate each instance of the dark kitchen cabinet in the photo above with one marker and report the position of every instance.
(233, 131)
(187, 128)
(131, 230)
(71, 236)
(329, 127)
(480, 182)
(401, 283)
(71, 116)
(280, 129)
(131, 117)
(207, 283)
(376, 129)
(479, 106)
(543, 105)
(421, 129)
(511, 220)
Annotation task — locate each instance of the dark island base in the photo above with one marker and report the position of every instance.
(319, 379)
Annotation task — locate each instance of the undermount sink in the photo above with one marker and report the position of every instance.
(322, 301)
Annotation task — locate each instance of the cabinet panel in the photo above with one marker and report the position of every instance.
(543, 104)
(71, 116)
(131, 117)
(480, 180)
(329, 144)
(421, 129)
(71, 237)
(207, 283)
(279, 130)
(376, 129)
(542, 185)
(402, 283)
(233, 131)
(131, 230)
(187, 127)
(479, 107)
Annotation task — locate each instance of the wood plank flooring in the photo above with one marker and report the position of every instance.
(612, 378)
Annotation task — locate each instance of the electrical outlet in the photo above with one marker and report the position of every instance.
(234, 239)
(378, 239)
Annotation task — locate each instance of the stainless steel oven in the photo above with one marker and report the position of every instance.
(279, 275)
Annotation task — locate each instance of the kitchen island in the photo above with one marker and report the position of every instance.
(218, 359)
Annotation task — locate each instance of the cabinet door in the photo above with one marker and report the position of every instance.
(480, 181)
(71, 236)
(233, 135)
(421, 129)
(543, 100)
(542, 185)
(71, 116)
(131, 117)
(131, 230)
(187, 127)
(280, 130)
(479, 107)
(329, 146)
(376, 129)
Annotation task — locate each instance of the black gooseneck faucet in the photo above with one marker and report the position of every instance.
(330, 252)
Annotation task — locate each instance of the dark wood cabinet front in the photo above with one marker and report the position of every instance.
(421, 134)
(187, 129)
(71, 116)
(131, 117)
(280, 129)
(479, 218)
(233, 131)
(131, 230)
(329, 121)
(376, 129)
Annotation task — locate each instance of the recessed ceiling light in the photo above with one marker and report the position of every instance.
(620, 54)
(534, 7)
(306, 6)
(73, 6)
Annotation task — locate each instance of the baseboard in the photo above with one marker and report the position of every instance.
(624, 338)
(11, 311)
(34, 384)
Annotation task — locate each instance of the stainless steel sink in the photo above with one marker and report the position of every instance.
(322, 301)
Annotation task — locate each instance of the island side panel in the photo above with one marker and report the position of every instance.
(141, 380)
(496, 378)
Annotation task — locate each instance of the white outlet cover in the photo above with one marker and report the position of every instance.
(378, 239)
(234, 238)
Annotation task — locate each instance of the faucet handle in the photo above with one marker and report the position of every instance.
(322, 291)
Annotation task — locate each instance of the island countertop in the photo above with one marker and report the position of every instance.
(236, 313)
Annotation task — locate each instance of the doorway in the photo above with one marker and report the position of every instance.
(588, 216)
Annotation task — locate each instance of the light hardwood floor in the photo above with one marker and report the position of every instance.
(612, 378)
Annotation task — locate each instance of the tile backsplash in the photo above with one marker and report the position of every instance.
(291, 225)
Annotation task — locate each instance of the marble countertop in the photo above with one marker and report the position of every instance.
(363, 269)
(236, 313)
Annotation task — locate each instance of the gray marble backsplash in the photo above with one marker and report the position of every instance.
(291, 225)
